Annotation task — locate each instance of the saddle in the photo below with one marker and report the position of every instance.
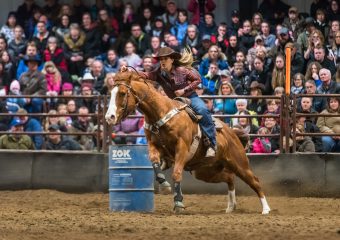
(194, 116)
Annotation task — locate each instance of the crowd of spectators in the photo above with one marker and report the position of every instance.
(75, 50)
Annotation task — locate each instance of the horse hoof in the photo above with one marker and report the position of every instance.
(265, 211)
(230, 209)
(165, 188)
(179, 207)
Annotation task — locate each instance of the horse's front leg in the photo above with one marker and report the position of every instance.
(180, 160)
(154, 156)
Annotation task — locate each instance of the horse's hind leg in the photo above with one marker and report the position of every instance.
(247, 175)
(217, 174)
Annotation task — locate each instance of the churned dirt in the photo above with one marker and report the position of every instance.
(48, 214)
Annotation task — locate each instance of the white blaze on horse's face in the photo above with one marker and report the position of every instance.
(111, 114)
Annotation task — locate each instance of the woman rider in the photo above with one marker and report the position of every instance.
(179, 79)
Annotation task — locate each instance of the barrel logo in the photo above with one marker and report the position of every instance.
(121, 154)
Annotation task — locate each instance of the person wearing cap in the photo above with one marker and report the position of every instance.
(56, 141)
(294, 22)
(199, 8)
(179, 79)
(235, 22)
(16, 141)
(171, 14)
(32, 125)
(283, 39)
(33, 82)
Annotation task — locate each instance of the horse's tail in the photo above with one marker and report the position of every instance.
(242, 135)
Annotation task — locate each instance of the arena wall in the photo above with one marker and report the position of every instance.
(285, 174)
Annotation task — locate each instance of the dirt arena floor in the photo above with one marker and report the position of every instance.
(48, 214)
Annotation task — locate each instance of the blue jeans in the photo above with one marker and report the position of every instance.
(206, 122)
(36, 105)
(330, 145)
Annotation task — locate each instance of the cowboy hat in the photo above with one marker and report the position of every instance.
(34, 58)
(168, 52)
(256, 84)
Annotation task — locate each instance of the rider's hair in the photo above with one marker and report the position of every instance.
(186, 60)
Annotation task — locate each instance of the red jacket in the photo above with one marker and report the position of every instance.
(57, 58)
(195, 9)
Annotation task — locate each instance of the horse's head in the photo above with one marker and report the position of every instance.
(124, 99)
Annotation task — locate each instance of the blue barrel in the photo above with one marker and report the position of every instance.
(131, 179)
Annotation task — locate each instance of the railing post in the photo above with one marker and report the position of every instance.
(105, 132)
(294, 122)
(99, 120)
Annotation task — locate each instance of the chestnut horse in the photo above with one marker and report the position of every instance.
(172, 138)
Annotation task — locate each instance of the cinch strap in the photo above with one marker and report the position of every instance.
(161, 122)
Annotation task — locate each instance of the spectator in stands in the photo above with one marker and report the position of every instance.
(240, 79)
(320, 56)
(330, 125)
(310, 127)
(98, 73)
(273, 10)
(4, 80)
(51, 119)
(199, 8)
(130, 55)
(79, 8)
(55, 54)
(298, 84)
(111, 61)
(173, 43)
(83, 124)
(247, 40)
(9, 66)
(268, 38)
(211, 82)
(139, 39)
(127, 126)
(74, 49)
(16, 141)
(232, 50)
(261, 144)
(128, 17)
(297, 61)
(7, 30)
(257, 105)
(33, 83)
(3, 44)
(14, 104)
(66, 90)
(87, 90)
(203, 48)
(17, 46)
(328, 86)
(92, 44)
(315, 40)
(108, 28)
(56, 141)
(71, 108)
(180, 27)
(318, 103)
(148, 64)
(333, 13)
(272, 108)
(155, 46)
(256, 22)
(271, 124)
(312, 73)
(52, 9)
(226, 105)
(221, 37)
(306, 106)
(283, 39)
(65, 121)
(97, 7)
(303, 143)
(25, 11)
(146, 19)
(108, 84)
(259, 44)
(41, 37)
(53, 81)
(208, 27)
(334, 51)
(261, 75)
(66, 10)
(31, 50)
(62, 28)
(235, 22)
(32, 125)
(279, 73)
(335, 27)
(171, 14)
(294, 22)
(321, 22)
(32, 22)
(241, 105)
(214, 56)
